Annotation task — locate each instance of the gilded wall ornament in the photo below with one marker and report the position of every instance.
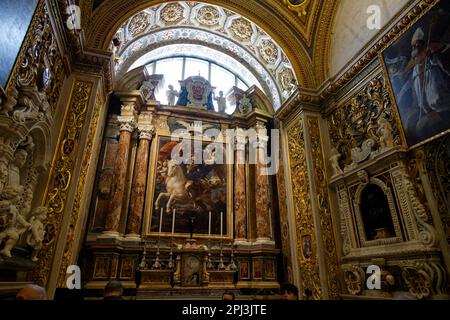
(268, 51)
(323, 204)
(172, 13)
(242, 29)
(74, 224)
(304, 223)
(208, 16)
(355, 126)
(61, 176)
(139, 23)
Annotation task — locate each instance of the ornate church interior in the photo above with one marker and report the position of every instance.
(188, 148)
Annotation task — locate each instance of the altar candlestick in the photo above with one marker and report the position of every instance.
(209, 224)
(221, 224)
(173, 221)
(160, 220)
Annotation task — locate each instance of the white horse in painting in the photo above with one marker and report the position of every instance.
(177, 186)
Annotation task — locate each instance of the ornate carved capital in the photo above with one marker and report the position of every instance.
(240, 139)
(127, 123)
(146, 132)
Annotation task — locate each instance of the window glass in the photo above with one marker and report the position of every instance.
(196, 67)
(171, 69)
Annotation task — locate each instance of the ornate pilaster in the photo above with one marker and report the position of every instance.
(263, 218)
(127, 126)
(146, 133)
(240, 206)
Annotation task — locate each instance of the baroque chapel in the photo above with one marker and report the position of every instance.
(192, 148)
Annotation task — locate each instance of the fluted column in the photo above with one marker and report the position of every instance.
(127, 126)
(263, 223)
(240, 204)
(146, 132)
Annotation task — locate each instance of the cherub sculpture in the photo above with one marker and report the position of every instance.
(16, 223)
(334, 159)
(36, 233)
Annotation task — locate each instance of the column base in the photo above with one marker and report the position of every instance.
(132, 237)
(265, 241)
(242, 242)
(109, 234)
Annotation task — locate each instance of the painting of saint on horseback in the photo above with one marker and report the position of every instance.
(193, 188)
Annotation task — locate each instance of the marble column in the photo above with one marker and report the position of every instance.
(240, 200)
(146, 133)
(127, 126)
(263, 216)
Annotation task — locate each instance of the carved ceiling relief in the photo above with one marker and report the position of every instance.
(209, 16)
(364, 126)
(268, 51)
(172, 13)
(242, 29)
(26, 113)
(251, 44)
(139, 23)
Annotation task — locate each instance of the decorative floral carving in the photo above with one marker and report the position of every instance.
(242, 29)
(139, 23)
(268, 50)
(354, 279)
(172, 13)
(208, 16)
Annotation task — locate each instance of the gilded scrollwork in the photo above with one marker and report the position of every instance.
(61, 177)
(326, 224)
(75, 215)
(304, 223)
(355, 126)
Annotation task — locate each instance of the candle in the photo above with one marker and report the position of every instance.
(221, 224)
(209, 224)
(160, 220)
(173, 221)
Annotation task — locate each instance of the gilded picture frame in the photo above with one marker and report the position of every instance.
(412, 63)
(203, 205)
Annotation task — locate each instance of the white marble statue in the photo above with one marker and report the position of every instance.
(36, 232)
(334, 159)
(221, 102)
(171, 94)
(385, 134)
(16, 223)
(20, 158)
